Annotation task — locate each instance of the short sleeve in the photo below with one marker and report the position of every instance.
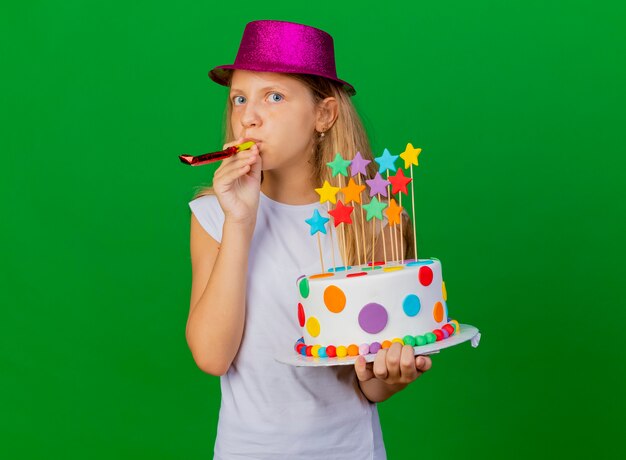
(209, 214)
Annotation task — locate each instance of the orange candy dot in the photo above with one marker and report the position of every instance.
(438, 312)
(386, 344)
(334, 299)
(353, 350)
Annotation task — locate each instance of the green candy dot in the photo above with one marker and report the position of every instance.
(304, 287)
(409, 340)
(420, 340)
(431, 338)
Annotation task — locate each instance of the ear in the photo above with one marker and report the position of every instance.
(327, 111)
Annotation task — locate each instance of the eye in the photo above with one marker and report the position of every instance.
(238, 100)
(276, 97)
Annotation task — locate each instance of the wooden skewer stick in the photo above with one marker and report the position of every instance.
(319, 245)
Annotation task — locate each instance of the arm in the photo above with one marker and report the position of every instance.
(217, 307)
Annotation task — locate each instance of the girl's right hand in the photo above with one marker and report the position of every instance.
(237, 184)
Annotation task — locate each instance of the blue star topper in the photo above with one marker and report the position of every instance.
(317, 223)
(386, 161)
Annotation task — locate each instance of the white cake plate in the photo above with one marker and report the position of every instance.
(467, 333)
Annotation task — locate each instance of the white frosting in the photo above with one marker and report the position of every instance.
(387, 288)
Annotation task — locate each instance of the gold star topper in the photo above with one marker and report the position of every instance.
(327, 193)
(410, 155)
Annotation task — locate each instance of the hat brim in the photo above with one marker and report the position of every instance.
(221, 75)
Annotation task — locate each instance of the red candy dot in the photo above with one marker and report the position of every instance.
(425, 276)
(449, 329)
(299, 347)
(438, 334)
(352, 275)
(331, 351)
(377, 263)
(308, 350)
(301, 315)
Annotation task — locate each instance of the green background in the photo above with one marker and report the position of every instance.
(519, 109)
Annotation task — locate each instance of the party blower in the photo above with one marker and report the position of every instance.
(212, 157)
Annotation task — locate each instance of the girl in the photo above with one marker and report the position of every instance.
(249, 243)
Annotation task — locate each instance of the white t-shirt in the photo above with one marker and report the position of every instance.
(271, 410)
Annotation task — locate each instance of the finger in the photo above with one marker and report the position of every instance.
(380, 364)
(407, 364)
(363, 372)
(423, 363)
(393, 360)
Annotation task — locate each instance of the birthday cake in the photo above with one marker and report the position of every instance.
(357, 310)
(363, 309)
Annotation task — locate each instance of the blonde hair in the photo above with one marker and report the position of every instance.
(346, 136)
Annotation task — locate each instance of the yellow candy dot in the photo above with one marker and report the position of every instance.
(342, 351)
(458, 326)
(315, 350)
(313, 326)
(444, 292)
(438, 312)
(400, 341)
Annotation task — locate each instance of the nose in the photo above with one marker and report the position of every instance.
(251, 116)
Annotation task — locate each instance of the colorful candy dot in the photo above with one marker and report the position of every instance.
(367, 269)
(314, 350)
(430, 337)
(331, 351)
(301, 315)
(398, 340)
(443, 291)
(342, 351)
(322, 352)
(438, 334)
(374, 347)
(438, 312)
(409, 340)
(449, 328)
(364, 349)
(411, 305)
(353, 350)
(313, 326)
(303, 351)
(304, 287)
(321, 275)
(386, 344)
(334, 299)
(393, 269)
(373, 318)
(308, 350)
(457, 326)
(352, 275)
(425, 276)
(420, 340)
(299, 347)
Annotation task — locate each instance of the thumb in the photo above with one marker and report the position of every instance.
(363, 373)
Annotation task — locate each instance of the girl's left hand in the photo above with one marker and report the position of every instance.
(394, 365)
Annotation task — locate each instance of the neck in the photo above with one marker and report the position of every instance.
(288, 188)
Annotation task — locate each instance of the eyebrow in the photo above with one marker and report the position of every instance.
(282, 88)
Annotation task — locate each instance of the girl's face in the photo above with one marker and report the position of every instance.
(278, 112)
